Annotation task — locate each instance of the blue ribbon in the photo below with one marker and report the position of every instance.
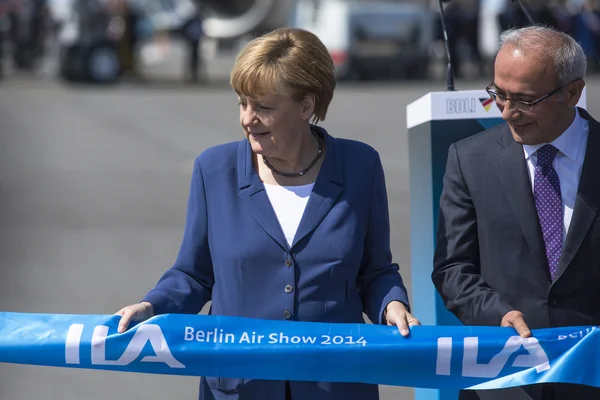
(432, 357)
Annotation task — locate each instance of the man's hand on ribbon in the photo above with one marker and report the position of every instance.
(516, 320)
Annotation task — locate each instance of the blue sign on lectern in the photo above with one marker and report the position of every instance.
(434, 122)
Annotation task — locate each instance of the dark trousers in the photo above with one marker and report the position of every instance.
(194, 59)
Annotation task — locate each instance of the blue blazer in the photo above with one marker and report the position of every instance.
(234, 253)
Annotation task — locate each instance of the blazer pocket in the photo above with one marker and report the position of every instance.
(225, 385)
(337, 290)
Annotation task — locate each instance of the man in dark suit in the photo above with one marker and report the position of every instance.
(518, 241)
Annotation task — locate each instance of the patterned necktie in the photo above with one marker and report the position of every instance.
(548, 202)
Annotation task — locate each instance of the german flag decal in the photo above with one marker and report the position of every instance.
(486, 103)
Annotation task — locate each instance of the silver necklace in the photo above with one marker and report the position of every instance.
(305, 170)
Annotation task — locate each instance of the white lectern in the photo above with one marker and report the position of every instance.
(434, 122)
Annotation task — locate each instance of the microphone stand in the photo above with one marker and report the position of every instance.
(529, 18)
(450, 69)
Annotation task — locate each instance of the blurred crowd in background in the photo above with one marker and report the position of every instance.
(102, 41)
(470, 21)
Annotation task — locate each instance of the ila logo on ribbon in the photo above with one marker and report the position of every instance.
(145, 333)
(536, 357)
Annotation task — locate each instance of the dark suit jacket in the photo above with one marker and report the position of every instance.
(490, 256)
(235, 254)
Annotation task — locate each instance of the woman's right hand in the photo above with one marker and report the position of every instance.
(135, 312)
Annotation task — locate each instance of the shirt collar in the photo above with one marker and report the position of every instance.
(567, 143)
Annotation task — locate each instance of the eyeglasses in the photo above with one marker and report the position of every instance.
(521, 105)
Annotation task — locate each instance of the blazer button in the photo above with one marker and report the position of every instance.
(552, 302)
(287, 314)
(288, 262)
(289, 288)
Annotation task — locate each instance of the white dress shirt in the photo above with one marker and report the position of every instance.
(568, 163)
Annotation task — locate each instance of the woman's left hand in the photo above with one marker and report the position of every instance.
(396, 314)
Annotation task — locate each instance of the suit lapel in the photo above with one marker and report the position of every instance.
(587, 202)
(327, 189)
(516, 184)
(254, 196)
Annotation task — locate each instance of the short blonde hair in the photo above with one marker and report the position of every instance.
(286, 61)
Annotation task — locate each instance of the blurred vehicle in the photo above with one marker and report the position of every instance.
(99, 39)
(95, 35)
(370, 39)
(88, 39)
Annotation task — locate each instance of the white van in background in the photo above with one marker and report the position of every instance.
(371, 39)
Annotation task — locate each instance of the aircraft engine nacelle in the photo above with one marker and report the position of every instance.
(227, 19)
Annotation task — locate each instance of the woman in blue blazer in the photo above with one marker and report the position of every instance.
(289, 223)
